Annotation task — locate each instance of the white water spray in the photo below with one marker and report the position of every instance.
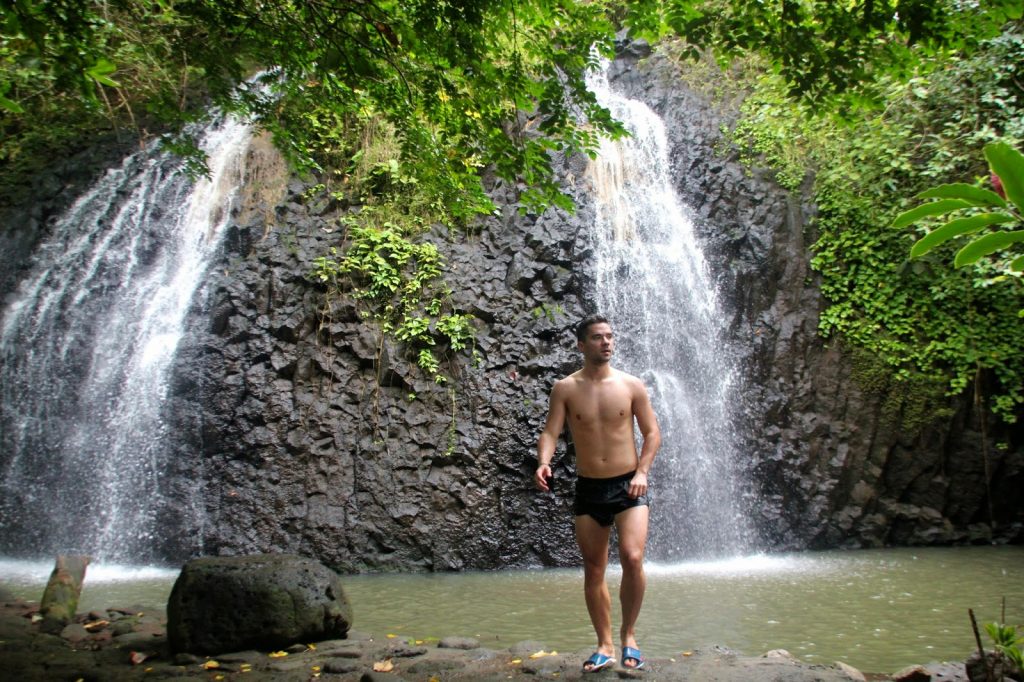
(87, 344)
(653, 283)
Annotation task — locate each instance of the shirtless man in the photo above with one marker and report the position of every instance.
(599, 403)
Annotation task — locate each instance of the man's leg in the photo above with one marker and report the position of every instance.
(592, 538)
(632, 527)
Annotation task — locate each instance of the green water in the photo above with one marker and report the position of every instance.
(878, 610)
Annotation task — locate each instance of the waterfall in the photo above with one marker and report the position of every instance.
(653, 283)
(87, 344)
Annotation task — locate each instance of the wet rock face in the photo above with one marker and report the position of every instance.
(267, 602)
(295, 429)
(836, 457)
(311, 435)
(29, 208)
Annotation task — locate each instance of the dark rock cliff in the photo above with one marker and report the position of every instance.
(840, 456)
(297, 430)
(302, 449)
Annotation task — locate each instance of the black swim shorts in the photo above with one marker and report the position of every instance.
(603, 498)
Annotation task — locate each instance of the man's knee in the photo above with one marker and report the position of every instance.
(595, 564)
(631, 558)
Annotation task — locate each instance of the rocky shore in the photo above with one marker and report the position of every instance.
(131, 644)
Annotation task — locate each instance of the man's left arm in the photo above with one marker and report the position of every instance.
(648, 423)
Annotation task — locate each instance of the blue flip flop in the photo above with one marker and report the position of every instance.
(633, 654)
(599, 662)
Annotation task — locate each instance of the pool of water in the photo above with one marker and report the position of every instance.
(878, 610)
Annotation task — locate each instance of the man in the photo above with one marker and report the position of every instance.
(600, 404)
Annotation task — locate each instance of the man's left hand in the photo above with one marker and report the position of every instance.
(638, 485)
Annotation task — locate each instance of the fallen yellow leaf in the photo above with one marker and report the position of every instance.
(315, 668)
(210, 665)
(278, 654)
(219, 677)
(384, 666)
(311, 647)
(542, 654)
(515, 661)
(391, 635)
(687, 653)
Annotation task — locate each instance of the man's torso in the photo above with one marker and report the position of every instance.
(600, 417)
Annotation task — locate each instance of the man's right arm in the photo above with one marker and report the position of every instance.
(548, 440)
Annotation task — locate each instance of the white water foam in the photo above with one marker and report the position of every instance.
(654, 284)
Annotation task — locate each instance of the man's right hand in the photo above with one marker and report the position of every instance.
(542, 476)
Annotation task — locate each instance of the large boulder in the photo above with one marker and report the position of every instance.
(263, 601)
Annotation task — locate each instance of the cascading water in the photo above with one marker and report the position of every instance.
(652, 282)
(87, 343)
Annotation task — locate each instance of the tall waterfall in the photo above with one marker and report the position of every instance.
(653, 284)
(87, 344)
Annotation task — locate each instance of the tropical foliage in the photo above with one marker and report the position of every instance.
(400, 107)
(917, 323)
(461, 81)
(1009, 641)
(827, 51)
(977, 208)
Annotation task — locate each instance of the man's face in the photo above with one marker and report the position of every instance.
(598, 344)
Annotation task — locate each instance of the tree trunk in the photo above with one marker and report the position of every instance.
(60, 599)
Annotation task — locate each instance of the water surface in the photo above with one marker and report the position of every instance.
(878, 610)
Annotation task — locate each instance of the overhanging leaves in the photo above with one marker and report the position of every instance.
(934, 208)
(1008, 164)
(978, 196)
(983, 246)
(956, 228)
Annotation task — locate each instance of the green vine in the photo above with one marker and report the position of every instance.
(923, 322)
(400, 284)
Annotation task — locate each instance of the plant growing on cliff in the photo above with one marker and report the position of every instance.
(399, 283)
(919, 321)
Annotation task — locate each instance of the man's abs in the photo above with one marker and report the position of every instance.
(605, 464)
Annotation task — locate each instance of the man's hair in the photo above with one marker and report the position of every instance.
(586, 323)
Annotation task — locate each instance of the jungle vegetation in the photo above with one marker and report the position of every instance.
(400, 106)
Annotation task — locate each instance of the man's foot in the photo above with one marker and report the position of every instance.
(597, 661)
(632, 658)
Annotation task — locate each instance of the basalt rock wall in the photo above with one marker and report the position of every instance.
(298, 429)
(314, 436)
(838, 454)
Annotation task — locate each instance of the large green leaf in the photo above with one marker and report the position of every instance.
(983, 246)
(1017, 264)
(930, 209)
(10, 105)
(960, 190)
(100, 72)
(1008, 164)
(956, 228)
